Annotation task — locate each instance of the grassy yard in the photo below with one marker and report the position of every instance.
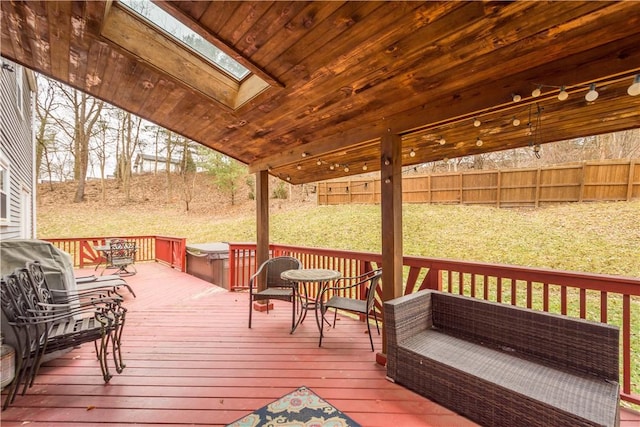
(588, 237)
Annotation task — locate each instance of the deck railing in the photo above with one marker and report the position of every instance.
(604, 298)
(168, 250)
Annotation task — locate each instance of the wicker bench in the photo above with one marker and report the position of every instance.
(501, 365)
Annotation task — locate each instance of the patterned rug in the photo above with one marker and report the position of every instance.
(300, 408)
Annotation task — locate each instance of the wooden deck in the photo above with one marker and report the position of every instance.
(191, 360)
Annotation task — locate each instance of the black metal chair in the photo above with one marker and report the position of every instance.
(275, 287)
(368, 283)
(121, 255)
(42, 326)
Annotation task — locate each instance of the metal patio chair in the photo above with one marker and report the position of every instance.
(275, 287)
(121, 255)
(41, 326)
(338, 301)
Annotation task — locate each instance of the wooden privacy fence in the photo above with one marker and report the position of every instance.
(584, 182)
(597, 297)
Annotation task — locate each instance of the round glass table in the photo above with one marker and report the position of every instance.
(307, 279)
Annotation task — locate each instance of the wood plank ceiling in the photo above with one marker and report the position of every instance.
(341, 74)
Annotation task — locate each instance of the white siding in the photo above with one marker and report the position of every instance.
(16, 150)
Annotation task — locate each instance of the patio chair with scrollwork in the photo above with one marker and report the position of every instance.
(342, 296)
(275, 287)
(42, 327)
(121, 255)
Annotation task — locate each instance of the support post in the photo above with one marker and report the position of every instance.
(391, 205)
(262, 220)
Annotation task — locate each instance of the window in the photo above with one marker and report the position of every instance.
(176, 29)
(161, 40)
(4, 191)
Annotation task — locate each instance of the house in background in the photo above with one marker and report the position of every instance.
(145, 163)
(17, 152)
(151, 163)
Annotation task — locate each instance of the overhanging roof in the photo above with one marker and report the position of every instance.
(328, 78)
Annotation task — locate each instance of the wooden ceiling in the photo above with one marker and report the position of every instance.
(338, 75)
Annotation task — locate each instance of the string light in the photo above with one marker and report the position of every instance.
(442, 141)
(332, 167)
(288, 178)
(299, 167)
(479, 142)
(305, 154)
(387, 162)
(634, 89)
(516, 97)
(515, 121)
(563, 95)
(477, 122)
(346, 168)
(537, 92)
(319, 162)
(593, 94)
(412, 153)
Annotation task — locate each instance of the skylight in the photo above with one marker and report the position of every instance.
(183, 34)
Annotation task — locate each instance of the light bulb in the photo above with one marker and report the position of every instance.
(446, 159)
(536, 92)
(364, 167)
(387, 162)
(304, 154)
(634, 89)
(479, 142)
(563, 95)
(319, 162)
(346, 168)
(592, 95)
(299, 167)
(516, 121)
(477, 122)
(288, 178)
(516, 97)
(412, 153)
(442, 141)
(332, 167)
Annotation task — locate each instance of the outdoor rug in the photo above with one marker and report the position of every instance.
(300, 408)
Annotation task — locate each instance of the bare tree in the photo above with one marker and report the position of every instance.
(187, 173)
(128, 140)
(101, 154)
(171, 141)
(45, 106)
(84, 112)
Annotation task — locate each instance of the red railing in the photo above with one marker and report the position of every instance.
(604, 298)
(169, 250)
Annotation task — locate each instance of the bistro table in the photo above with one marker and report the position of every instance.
(103, 253)
(305, 277)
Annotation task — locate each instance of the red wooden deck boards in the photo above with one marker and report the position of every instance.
(192, 360)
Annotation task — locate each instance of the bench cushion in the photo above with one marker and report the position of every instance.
(452, 370)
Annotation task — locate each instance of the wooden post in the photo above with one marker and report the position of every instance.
(632, 167)
(581, 191)
(262, 219)
(498, 189)
(536, 201)
(391, 205)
